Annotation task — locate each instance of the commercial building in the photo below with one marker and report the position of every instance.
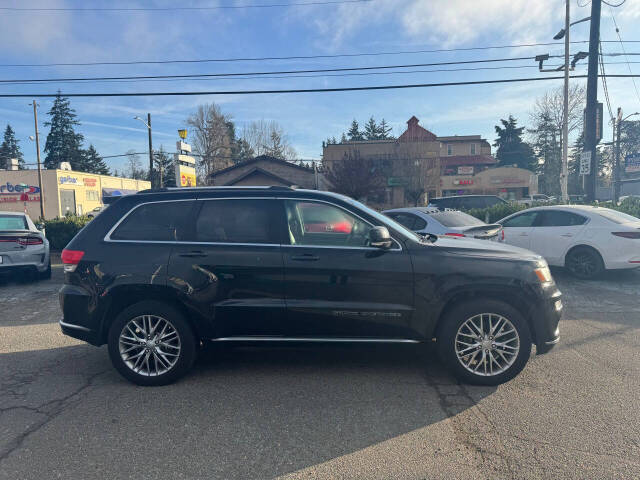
(456, 165)
(266, 170)
(65, 191)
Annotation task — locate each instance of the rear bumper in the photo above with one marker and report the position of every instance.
(79, 317)
(78, 331)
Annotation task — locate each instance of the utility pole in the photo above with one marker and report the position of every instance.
(35, 119)
(617, 126)
(592, 99)
(150, 150)
(564, 181)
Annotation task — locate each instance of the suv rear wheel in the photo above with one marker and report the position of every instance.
(484, 342)
(151, 343)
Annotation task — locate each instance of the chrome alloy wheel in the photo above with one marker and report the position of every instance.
(487, 344)
(149, 345)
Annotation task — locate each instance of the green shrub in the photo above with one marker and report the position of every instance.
(61, 230)
(497, 212)
(629, 205)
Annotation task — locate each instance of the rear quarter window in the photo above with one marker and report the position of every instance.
(153, 222)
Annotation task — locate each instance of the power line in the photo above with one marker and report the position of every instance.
(179, 9)
(280, 72)
(299, 57)
(604, 82)
(635, 87)
(301, 90)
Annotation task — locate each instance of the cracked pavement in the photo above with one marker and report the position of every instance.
(323, 412)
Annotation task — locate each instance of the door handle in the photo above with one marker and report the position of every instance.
(305, 257)
(193, 254)
(567, 235)
(524, 234)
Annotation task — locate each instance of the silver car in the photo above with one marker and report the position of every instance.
(449, 222)
(23, 248)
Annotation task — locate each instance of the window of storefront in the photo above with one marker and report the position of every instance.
(449, 149)
(92, 196)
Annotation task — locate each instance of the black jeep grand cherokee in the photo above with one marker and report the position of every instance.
(159, 272)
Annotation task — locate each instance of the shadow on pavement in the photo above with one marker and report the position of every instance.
(241, 413)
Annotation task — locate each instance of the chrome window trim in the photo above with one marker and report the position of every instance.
(107, 237)
(350, 213)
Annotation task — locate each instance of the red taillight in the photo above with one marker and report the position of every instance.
(455, 234)
(30, 241)
(627, 234)
(502, 235)
(71, 258)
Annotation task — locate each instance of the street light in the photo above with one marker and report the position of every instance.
(564, 33)
(616, 172)
(148, 125)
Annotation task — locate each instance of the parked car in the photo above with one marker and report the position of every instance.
(96, 211)
(426, 220)
(584, 239)
(159, 272)
(23, 248)
(536, 198)
(466, 202)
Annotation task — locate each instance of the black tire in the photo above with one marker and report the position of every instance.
(46, 275)
(453, 321)
(188, 344)
(584, 262)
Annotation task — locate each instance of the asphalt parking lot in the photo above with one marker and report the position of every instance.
(320, 412)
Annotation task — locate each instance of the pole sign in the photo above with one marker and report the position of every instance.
(585, 163)
(184, 165)
(632, 163)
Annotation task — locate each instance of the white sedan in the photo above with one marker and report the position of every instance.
(584, 239)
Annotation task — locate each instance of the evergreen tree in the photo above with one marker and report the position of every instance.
(163, 162)
(63, 143)
(343, 138)
(384, 130)
(10, 149)
(371, 130)
(92, 162)
(512, 150)
(549, 152)
(354, 133)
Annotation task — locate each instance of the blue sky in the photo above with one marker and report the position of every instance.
(376, 26)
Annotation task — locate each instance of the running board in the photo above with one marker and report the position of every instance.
(313, 339)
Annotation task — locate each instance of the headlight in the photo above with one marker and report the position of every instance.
(543, 274)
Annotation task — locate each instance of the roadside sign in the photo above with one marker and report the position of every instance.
(632, 163)
(585, 163)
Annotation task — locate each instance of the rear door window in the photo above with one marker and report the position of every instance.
(159, 221)
(238, 221)
(522, 220)
(559, 218)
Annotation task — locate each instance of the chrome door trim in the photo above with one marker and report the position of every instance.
(313, 339)
(75, 327)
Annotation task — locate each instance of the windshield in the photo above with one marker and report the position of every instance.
(617, 217)
(13, 222)
(384, 219)
(456, 219)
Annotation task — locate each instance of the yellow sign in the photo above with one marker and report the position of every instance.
(183, 133)
(185, 176)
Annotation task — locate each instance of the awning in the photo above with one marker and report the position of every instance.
(117, 192)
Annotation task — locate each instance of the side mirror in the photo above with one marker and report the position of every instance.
(379, 237)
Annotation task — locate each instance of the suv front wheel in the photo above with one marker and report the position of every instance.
(151, 343)
(484, 342)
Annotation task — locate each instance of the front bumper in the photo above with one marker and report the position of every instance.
(545, 319)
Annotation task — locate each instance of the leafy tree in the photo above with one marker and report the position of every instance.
(354, 132)
(10, 149)
(355, 176)
(63, 143)
(512, 150)
(92, 162)
(268, 138)
(371, 130)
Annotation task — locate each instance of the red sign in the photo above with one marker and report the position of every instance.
(24, 197)
(89, 182)
(463, 182)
